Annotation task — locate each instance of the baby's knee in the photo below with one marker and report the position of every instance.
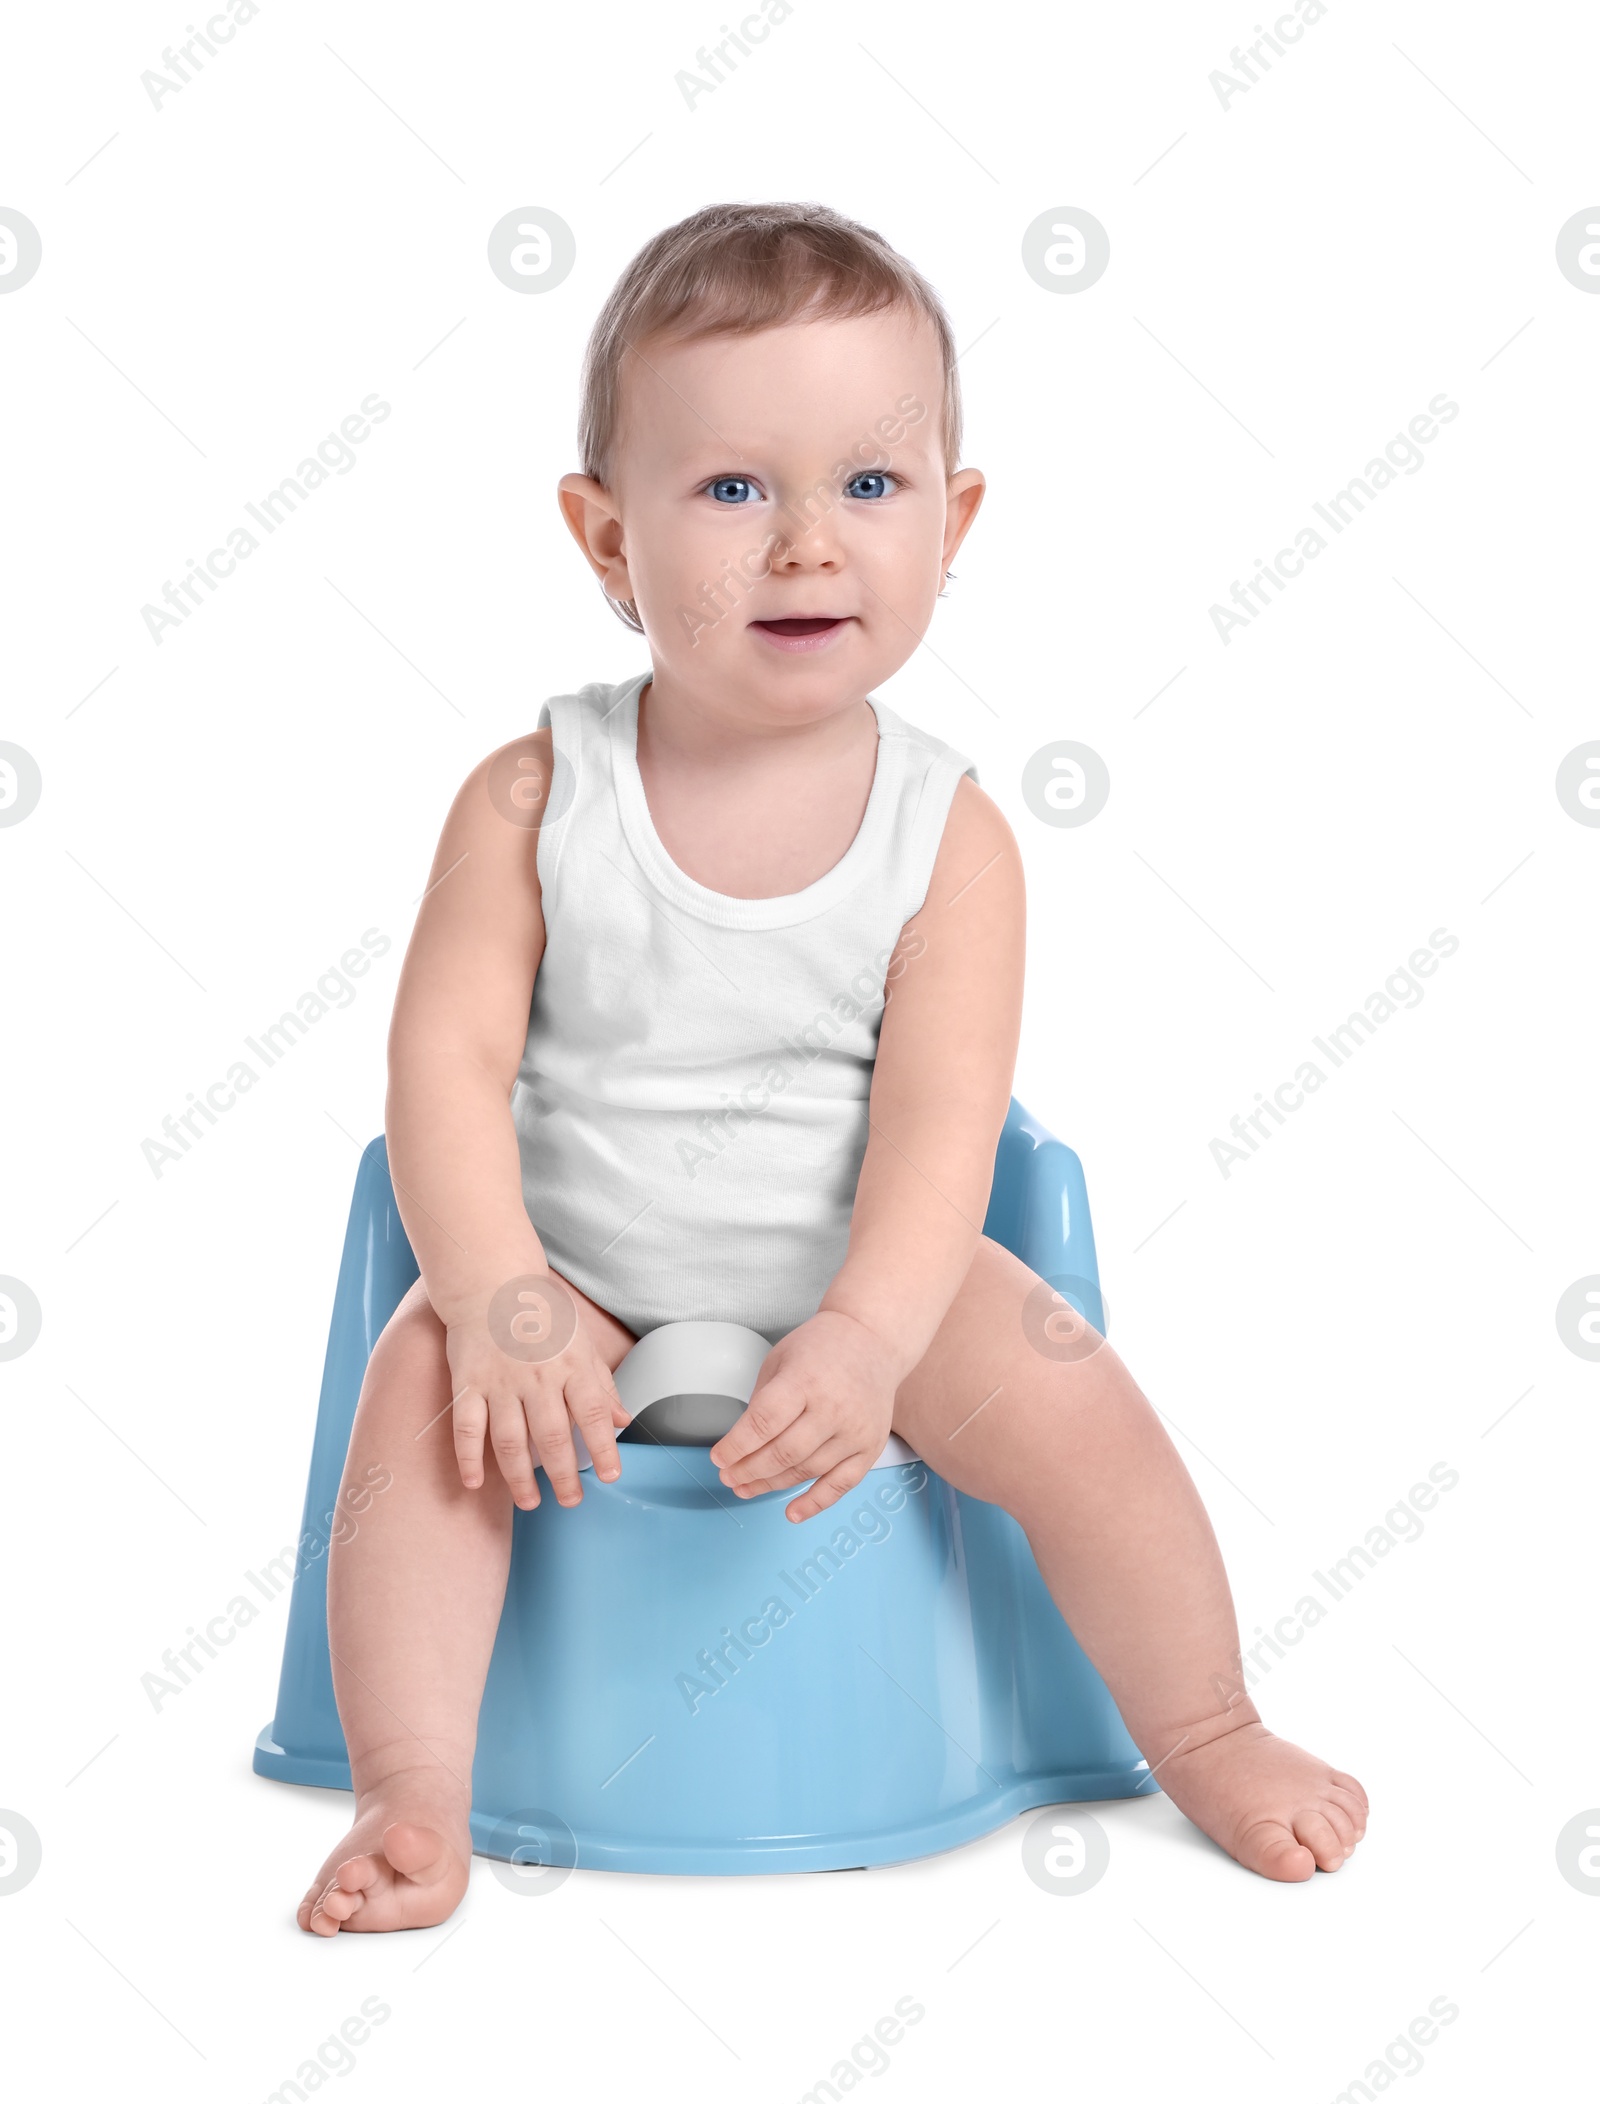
(407, 1369)
(1061, 1405)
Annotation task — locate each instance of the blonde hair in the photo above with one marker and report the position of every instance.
(729, 270)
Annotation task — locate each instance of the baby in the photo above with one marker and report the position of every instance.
(602, 1117)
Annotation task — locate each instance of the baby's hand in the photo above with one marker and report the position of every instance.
(820, 1409)
(528, 1409)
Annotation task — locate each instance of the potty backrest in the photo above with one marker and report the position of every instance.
(687, 1383)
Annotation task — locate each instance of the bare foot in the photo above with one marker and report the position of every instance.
(1274, 1807)
(403, 1865)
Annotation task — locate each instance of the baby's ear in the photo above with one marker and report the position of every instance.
(594, 522)
(963, 494)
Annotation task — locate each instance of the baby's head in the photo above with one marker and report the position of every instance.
(770, 430)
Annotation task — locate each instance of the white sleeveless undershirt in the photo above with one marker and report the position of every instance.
(691, 1104)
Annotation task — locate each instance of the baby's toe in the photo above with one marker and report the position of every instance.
(1343, 1822)
(1350, 1794)
(1317, 1831)
(309, 1913)
(356, 1875)
(1348, 1816)
(338, 1905)
(319, 1920)
(1270, 1848)
(417, 1852)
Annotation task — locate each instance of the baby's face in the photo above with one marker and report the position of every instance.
(790, 476)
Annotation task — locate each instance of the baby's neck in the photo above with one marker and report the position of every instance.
(749, 805)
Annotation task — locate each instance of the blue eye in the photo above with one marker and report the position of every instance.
(732, 489)
(872, 475)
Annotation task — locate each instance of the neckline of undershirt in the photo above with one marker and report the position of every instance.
(720, 908)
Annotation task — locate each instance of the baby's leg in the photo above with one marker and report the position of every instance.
(1075, 1453)
(414, 1599)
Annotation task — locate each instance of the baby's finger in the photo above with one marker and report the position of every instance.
(828, 1489)
(619, 1412)
(508, 1435)
(791, 1446)
(828, 1455)
(469, 1422)
(770, 1410)
(551, 1429)
(587, 1401)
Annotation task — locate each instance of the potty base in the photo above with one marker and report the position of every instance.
(758, 1855)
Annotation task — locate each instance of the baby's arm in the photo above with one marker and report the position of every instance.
(455, 1043)
(941, 1087)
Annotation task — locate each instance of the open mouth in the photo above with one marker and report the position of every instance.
(801, 631)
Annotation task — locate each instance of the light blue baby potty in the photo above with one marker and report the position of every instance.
(685, 1681)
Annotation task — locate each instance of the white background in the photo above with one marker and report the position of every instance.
(1373, 1293)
